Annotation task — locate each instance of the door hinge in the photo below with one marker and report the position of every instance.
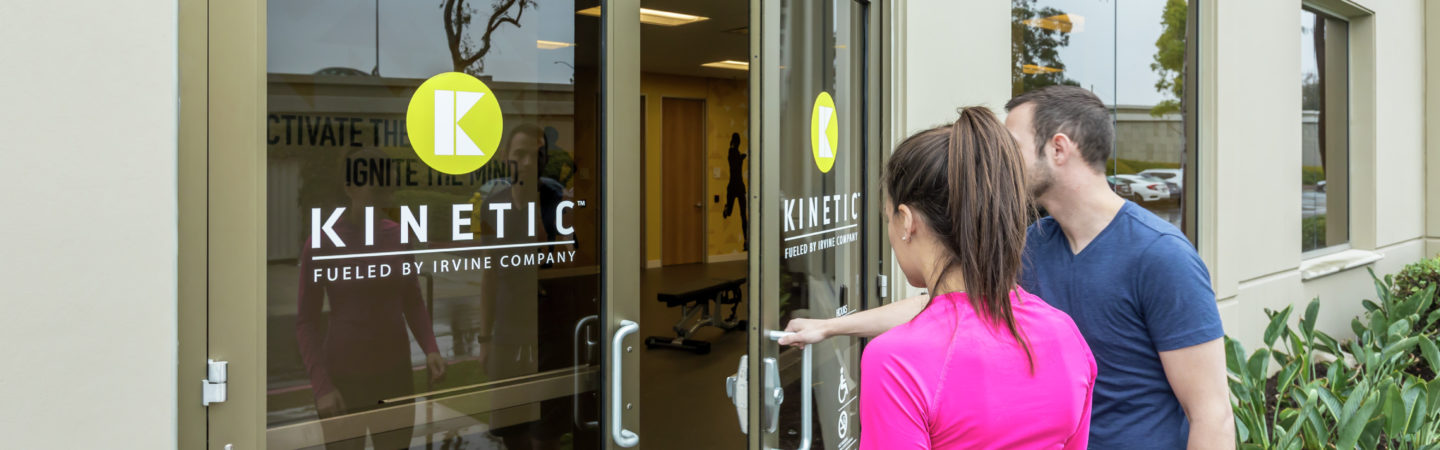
(883, 282)
(213, 386)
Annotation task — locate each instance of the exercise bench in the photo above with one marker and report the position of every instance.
(695, 298)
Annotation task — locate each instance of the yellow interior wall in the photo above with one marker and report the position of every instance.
(727, 111)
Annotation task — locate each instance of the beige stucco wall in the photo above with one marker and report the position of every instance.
(1251, 129)
(948, 54)
(89, 272)
(1256, 189)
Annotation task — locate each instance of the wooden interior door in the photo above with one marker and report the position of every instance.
(683, 153)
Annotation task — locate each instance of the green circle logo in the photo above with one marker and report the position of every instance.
(824, 132)
(454, 123)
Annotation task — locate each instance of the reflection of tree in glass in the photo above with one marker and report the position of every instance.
(1035, 49)
(1309, 92)
(458, 16)
(1170, 58)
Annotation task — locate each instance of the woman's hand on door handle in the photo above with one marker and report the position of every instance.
(807, 331)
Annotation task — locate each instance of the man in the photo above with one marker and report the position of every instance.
(1135, 287)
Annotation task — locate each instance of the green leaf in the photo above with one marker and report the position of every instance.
(1399, 328)
(1370, 436)
(1357, 327)
(1432, 393)
(1287, 377)
(1370, 306)
(1434, 316)
(1396, 414)
(1432, 354)
(1234, 356)
(1417, 404)
(1331, 403)
(1378, 326)
(1242, 432)
(1395, 349)
(1307, 323)
(1277, 324)
(1259, 364)
(1354, 424)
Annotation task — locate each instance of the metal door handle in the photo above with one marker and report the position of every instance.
(623, 437)
(805, 385)
(698, 204)
(589, 346)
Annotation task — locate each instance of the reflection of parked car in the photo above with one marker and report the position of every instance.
(1146, 188)
(1173, 178)
(1168, 175)
(1121, 188)
(1320, 186)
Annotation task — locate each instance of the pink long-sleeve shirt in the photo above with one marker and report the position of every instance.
(949, 380)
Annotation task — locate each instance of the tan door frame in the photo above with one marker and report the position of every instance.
(620, 272)
(191, 167)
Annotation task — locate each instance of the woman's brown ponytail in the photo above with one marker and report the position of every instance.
(967, 179)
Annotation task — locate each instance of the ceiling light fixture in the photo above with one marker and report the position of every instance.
(653, 16)
(1064, 23)
(728, 64)
(552, 45)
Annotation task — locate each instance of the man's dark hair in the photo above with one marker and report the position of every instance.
(1077, 113)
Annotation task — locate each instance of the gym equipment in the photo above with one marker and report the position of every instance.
(696, 297)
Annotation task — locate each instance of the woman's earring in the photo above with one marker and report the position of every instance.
(905, 238)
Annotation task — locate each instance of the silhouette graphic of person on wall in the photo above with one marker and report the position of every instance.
(735, 191)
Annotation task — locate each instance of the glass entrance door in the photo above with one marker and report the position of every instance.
(433, 225)
(531, 225)
(816, 224)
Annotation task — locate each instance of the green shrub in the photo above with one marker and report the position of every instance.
(1417, 276)
(1310, 175)
(1312, 233)
(1324, 403)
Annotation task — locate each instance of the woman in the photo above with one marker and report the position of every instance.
(985, 364)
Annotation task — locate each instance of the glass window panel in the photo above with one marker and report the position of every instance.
(490, 274)
(1324, 131)
(1133, 54)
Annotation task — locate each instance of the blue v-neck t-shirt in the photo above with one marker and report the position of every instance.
(1138, 289)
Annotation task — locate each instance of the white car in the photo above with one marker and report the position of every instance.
(1145, 188)
(1176, 176)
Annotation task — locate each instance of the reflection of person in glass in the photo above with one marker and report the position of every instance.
(512, 296)
(360, 355)
(735, 190)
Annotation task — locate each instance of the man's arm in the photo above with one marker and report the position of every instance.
(1197, 375)
(867, 323)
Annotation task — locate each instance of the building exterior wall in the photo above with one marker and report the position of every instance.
(950, 54)
(90, 279)
(1251, 179)
(1258, 263)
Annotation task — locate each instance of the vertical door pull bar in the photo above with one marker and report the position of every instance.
(805, 387)
(623, 437)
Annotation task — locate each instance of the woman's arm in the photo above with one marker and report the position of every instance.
(867, 323)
